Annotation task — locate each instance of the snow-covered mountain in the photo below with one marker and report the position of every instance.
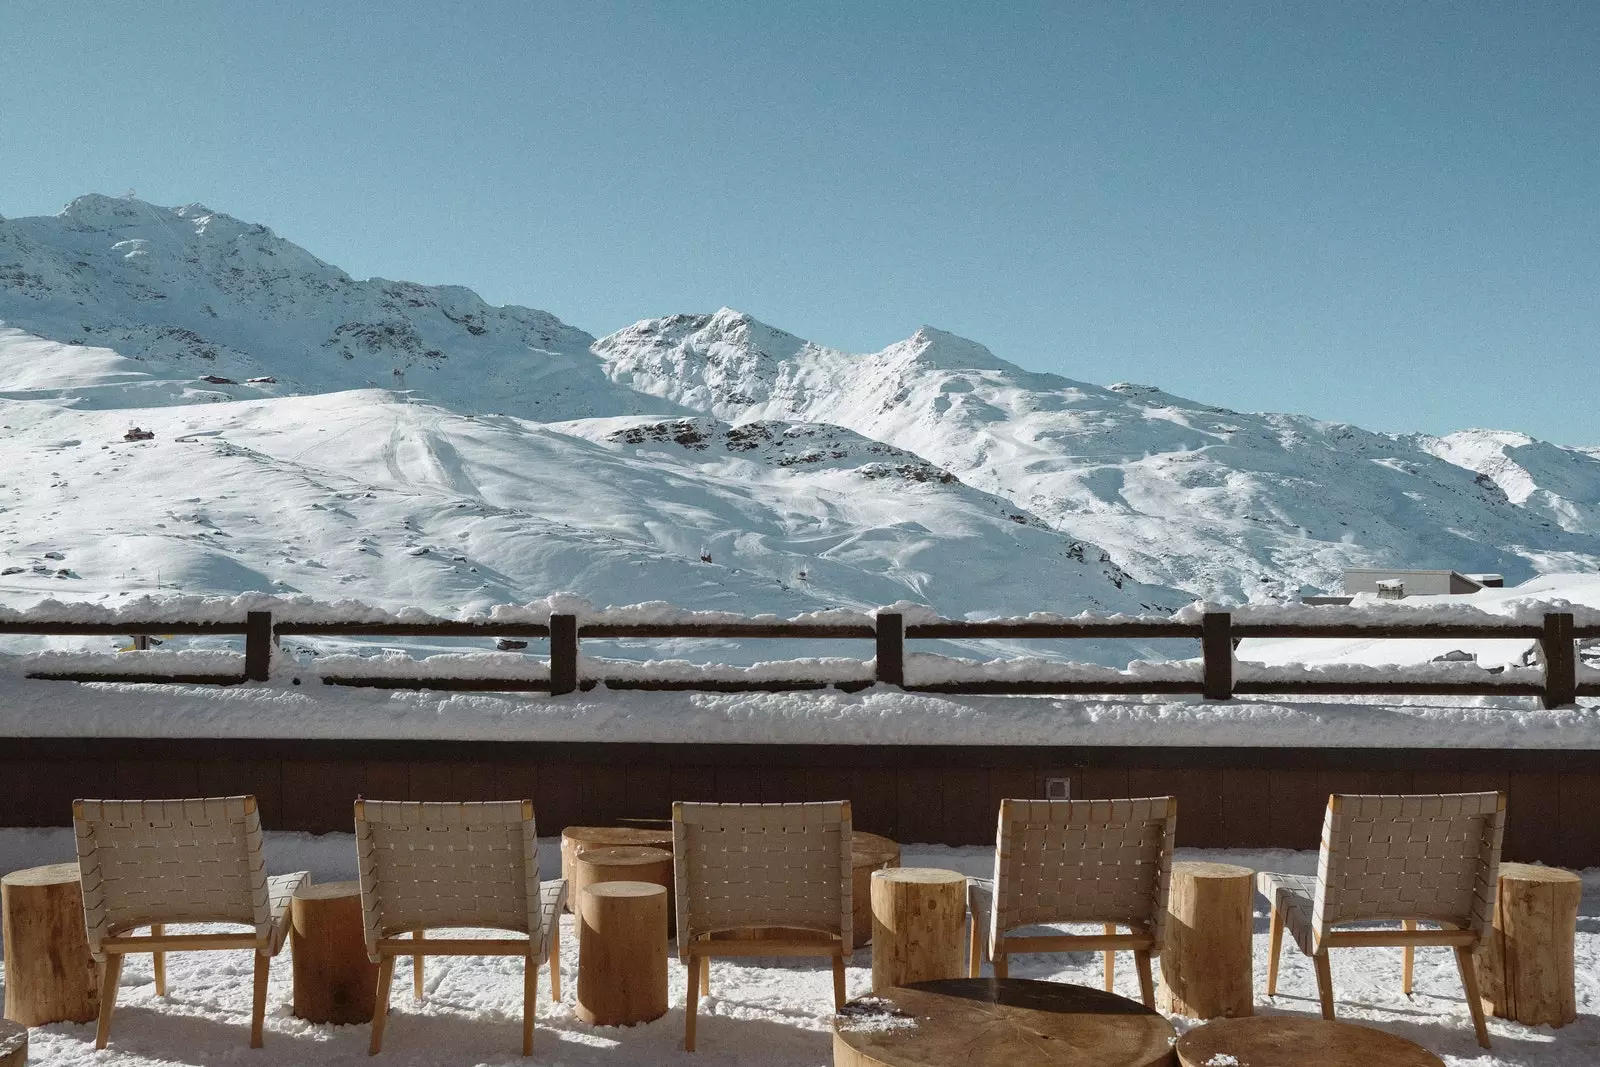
(409, 444)
(1218, 502)
(510, 467)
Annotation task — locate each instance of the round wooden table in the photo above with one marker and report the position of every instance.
(50, 976)
(1000, 1022)
(334, 981)
(868, 853)
(1277, 1040)
(13, 1044)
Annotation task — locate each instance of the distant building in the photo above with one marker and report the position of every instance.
(1395, 584)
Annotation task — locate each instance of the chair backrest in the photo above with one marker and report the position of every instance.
(1387, 857)
(1104, 861)
(430, 866)
(743, 865)
(170, 861)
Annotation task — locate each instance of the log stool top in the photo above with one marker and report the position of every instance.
(1272, 1040)
(50, 874)
(624, 856)
(13, 1042)
(999, 1022)
(328, 891)
(871, 850)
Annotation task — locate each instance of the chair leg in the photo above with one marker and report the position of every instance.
(1111, 959)
(1147, 985)
(1469, 983)
(974, 948)
(1002, 965)
(108, 997)
(158, 961)
(258, 1002)
(1410, 955)
(1274, 950)
(1324, 983)
(838, 982)
(705, 975)
(380, 1009)
(416, 966)
(530, 995)
(691, 1005)
(555, 961)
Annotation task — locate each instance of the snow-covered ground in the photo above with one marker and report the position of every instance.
(771, 1012)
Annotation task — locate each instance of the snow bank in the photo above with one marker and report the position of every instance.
(924, 669)
(874, 715)
(156, 662)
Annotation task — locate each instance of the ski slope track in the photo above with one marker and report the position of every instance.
(412, 445)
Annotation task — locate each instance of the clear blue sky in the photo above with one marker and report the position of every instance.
(1381, 213)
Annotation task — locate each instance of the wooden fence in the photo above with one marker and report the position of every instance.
(1217, 633)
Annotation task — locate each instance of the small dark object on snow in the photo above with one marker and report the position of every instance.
(506, 644)
(136, 434)
(217, 379)
(705, 557)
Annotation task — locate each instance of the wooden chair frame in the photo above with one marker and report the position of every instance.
(384, 948)
(1463, 938)
(695, 950)
(111, 940)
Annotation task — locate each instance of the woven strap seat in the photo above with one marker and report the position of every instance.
(738, 866)
(438, 866)
(1411, 859)
(156, 862)
(1291, 895)
(1076, 861)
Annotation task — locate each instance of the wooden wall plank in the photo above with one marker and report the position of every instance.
(1246, 801)
(1533, 819)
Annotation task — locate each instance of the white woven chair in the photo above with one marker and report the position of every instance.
(741, 866)
(1077, 861)
(154, 862)
(1408, 859)
(430, 866)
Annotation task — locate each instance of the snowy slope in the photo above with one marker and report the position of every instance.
(1561, 484)
(180, 293)
(1218, 502)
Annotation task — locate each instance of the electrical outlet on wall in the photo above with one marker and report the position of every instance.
(1058, 789)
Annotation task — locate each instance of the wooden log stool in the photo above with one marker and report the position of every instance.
(1001, 1022)
(1526, 969)
(622, 953)
(577, 839)
(1206, 964)
(1278, 1040)
(13, 1044)
(868, 853)
(50, 976)
(334, 981)
(624, 863)
(918, 921)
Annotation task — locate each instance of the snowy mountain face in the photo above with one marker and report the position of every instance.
(510, 467)
(410, 445)
(1217, 502)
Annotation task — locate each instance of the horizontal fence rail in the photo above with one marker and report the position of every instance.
(1216, 632)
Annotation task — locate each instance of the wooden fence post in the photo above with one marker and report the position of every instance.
(563, 654)
(257, 645)
(891, 642)
(1560, 660)
(1216, 651)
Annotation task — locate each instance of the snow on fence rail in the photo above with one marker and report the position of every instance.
(1217, 675)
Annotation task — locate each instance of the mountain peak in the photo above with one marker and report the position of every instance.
(933, 347)
(97, 209)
